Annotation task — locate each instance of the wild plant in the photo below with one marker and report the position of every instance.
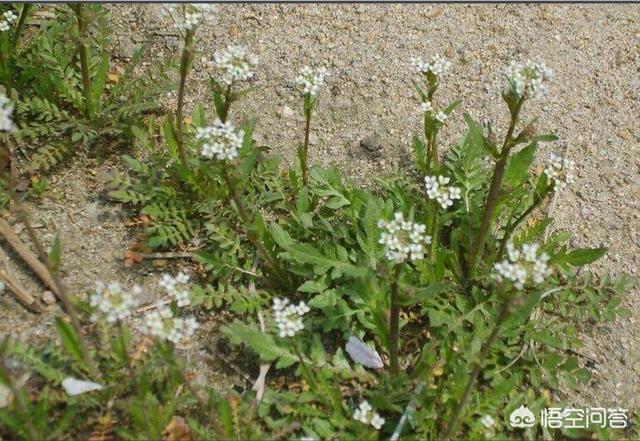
(430, 307)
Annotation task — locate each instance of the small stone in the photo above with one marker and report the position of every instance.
(285, 112)
(313, 139)
(48, 298)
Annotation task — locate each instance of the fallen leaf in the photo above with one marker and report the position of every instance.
(131, 258)
(73, 386)
(177, 430)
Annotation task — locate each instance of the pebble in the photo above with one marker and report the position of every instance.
(48, 298)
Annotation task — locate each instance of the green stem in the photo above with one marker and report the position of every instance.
(394, 320)
(21, 21)
(502, 316)
(84, 58)
(268, 258)
(226, 105)
(494, 189)
(185, 64)
(512, 227)
(305, 368)
(435, 233)
(305, 149)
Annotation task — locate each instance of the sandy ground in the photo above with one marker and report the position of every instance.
(593, 106)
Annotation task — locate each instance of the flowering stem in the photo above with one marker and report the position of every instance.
(502, 316)
(226, 105)
(185, 64)
(271, 262)
(435, 232)
(84, 58)
(495, 188)
(308, 110)
(21, 21)
(394, 319)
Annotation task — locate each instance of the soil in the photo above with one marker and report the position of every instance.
(365, 120)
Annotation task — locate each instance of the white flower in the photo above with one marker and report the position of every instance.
(438, 189)
(529, 77)
(441, 116)
(187, 16)
(426, 107)
(289, 317)
(176, 288)
(488, 421)
(4, 26)
(220, 141)
(113, 302)
(438, 65)
(6, 109)
(236, 63)
(365, 415)
(560, 171)
(311, 80)
(10, 16)
(402, 239)
(161, 323)
(523, 266)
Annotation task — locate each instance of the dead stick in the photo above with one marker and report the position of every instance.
(23, 296)
(30, 259)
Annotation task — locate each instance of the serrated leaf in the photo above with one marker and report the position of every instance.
(70, 340)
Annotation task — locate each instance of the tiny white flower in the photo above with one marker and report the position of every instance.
(187, 16)
(176, 288)
(236, 64)
(113, 302)
(560, 171)
(403, 240)
(312, 80)
(438, 189)
(438, 65)
(488, 421)
(288, 317)
(523, 267)
(529, 77)
(10, 16)
(365, 415)
(441, 117)
(161, 323)
(426, 107)
(220, 141)
(4, 26)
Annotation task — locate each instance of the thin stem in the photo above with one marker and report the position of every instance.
(84, 58)
(394, 320)
(271, 262)
(305, 149)
(494, 189)
(512, 227)
(226, 105)
(185, 64)
(502, 316)
(305, 368)
(21, 21)
(435, 233)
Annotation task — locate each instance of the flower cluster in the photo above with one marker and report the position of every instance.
(289, 316)
(438, 65)
(176, 287)
(523, 266)
(186, 17)
(365, 415)
(529, 77)
(6, 19)
(560, 171)
(311, 81)
(113, 301)
(438, 189)
(403, 240)
(220, 141)
(6, 109)
(161, 323)
(236, 63)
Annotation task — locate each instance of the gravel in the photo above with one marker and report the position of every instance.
(368, 114)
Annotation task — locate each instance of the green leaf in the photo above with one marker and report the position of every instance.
(54, 254)
(70, 340)
(584, 256)
(518, 169)
(476, 137)
(261, 343)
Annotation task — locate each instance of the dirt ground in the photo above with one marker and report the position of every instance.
(593, 106)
